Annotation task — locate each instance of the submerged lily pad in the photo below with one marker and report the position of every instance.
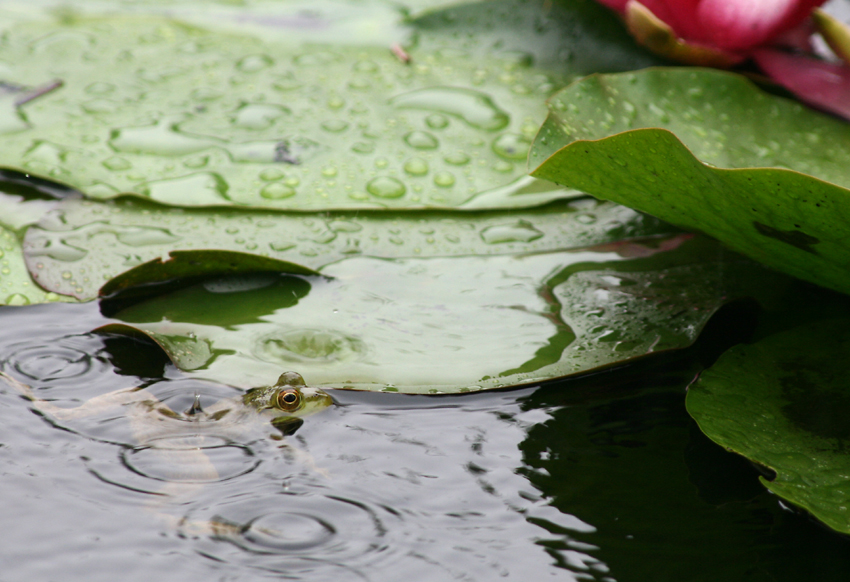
(190, 117)
(707, 150)
(450, 324)
(94, 242)
(783, 402)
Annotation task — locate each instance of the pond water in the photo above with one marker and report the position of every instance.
(606, 478)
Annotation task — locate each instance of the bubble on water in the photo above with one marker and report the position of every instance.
(386, 187)
(329, 171)
(474, 107)
(421, 140)
(277, 191)
(416, 167)
(512, 146)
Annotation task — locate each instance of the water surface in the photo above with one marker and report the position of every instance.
(601, 479)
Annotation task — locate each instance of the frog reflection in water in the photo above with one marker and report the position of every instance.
(179, 438)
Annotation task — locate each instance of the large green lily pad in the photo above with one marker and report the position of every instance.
(783, 402)
(707, 150)
(148, 105)
(450, 324)
(81, 245)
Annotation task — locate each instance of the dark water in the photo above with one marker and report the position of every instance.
(602, 479)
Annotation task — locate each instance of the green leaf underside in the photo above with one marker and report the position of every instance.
(449, 324)
(707, 150)
(83, 244)
(191, 117)
(783, 402)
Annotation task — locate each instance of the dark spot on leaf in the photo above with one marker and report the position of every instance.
(811, 408)
(796, 238)
(296, 150)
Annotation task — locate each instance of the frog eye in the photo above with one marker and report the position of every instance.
(289, 399)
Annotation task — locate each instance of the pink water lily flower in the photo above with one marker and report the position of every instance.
(727, 27)
(723, 33)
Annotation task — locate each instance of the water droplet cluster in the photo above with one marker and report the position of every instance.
(194, 118)
(82, 244)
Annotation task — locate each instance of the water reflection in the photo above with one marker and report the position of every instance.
(603, 479)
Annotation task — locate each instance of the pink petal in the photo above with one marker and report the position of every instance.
(743, 24)
(818, 83)
(681, 16)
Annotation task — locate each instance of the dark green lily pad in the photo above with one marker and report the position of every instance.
(783, 402)
(452, 324)
(83, 244)
(182, 265)
(707, 150)
(148, 105)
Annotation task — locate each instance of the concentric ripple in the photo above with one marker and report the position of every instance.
(300, 534)
(190, 459)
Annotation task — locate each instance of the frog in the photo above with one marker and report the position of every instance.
(179, 437)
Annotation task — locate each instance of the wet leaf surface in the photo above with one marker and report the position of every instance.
(451, 324)
(186, 116)
(707, 150)
(783, 403)
(16, 286)
(81, 245)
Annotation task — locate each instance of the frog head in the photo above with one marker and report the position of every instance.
(287, 401)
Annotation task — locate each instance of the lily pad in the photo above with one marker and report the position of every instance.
(17, 211)
(451, 324)
(81, 245)
(16, 286)
(707, 150)
(149, 105)
(783, 403)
